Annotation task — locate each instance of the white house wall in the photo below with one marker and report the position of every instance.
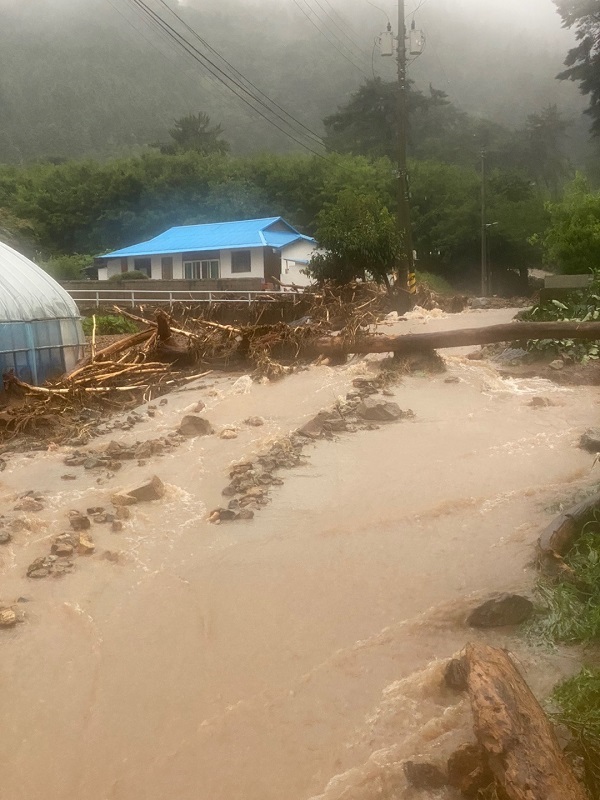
(291, 270)
(113, 266)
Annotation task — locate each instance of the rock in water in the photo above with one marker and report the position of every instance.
(455, 674)
(29, 504)
(195, 426)
(86, 544)
(8, 618)
(468, 770)
(501, 610)
(79, 521)
(424, 775)
(255, 422)
(379, 410)
(590, 440)
(153, 489)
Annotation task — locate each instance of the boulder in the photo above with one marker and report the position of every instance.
(8, 618)
(79, 521)
(62, 548)
(423, 775)
(455, 674)
(192, 425)
(254, 422)
(557, 364)
(228, 433)
(590, 440)
(153, 489)
(29, 504)
(379, 410)
(5, 537)
(468, 770)
(86, 544)
(501, 610)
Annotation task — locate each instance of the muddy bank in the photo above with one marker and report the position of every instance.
(299, 653)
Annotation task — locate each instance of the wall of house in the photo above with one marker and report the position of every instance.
(291, 271)
(113, 266)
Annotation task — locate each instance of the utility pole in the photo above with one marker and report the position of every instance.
(485, 278)
(406, 269)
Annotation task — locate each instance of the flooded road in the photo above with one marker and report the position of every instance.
(299, 654)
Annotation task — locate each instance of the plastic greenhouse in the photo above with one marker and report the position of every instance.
(40, 327)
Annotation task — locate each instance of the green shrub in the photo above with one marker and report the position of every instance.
(434, 282)
(578, 701)
(67, 268)
(134, 275)
(109, 325)
(581, 306)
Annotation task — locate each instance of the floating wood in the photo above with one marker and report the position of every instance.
(523, 751)
(421, 342)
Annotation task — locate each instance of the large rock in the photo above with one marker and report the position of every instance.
(195, 426)
(501, 610)
(153, 489)
(455, 674)
(590, 440)
(379, 410)
(422, 775)
(8, 618)
(79, 521)
(86, 545)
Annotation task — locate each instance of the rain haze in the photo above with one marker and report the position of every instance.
(300, 357)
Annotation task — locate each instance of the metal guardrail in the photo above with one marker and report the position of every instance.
(132, 297)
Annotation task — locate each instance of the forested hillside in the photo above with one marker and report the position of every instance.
(96, 78)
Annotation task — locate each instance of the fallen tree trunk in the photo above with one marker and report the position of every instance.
(523, 751)
(422, 342)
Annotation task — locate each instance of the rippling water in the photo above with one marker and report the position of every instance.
(298, 655)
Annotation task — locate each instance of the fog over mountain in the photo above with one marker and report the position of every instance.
(98, 77)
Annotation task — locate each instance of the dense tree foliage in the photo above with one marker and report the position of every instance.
(194, 132)
(583, 60)
(92, 207)
(359, 238)
(572, 240)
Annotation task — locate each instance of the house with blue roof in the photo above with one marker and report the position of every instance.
(267, 250)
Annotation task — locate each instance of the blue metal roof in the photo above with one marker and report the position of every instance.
(215, 236)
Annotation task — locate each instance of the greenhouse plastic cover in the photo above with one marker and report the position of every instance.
(28, 293)
(40, 327)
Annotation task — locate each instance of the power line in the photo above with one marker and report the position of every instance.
(318, 139)
(355, 56)
(323, 33)
(346, 24)
(207, 86)
(230, 83)
(340, 29)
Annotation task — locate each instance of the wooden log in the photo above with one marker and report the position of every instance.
(421, 342)
(523, 751)
(560, 535)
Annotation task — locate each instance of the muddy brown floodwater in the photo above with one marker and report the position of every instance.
(297, 655)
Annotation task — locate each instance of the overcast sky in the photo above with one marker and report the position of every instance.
(513, 15)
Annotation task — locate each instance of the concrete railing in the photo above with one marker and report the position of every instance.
(133, 297)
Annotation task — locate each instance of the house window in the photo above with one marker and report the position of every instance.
(201, 270)
(166, 266)
(241, 261)
(143, 265)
